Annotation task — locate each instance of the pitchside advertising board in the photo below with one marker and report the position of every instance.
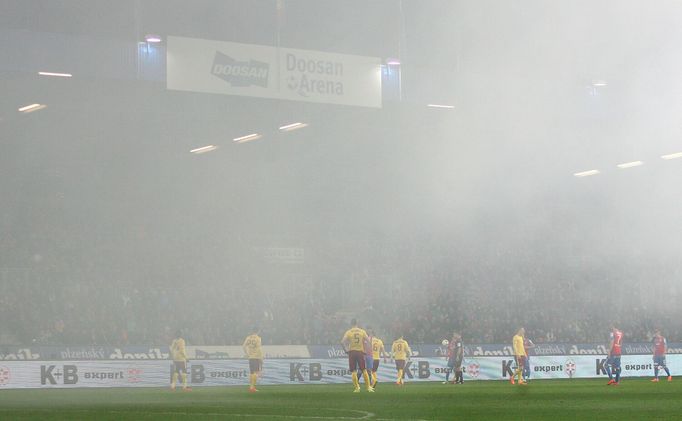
(198, 352)
(142, 352)
(220, 67)
(491, 350)
(157, 373)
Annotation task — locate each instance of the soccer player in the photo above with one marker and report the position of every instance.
(177, 350)
(378, 351)
(455, 356)
(254, 352)
(527, 344)
(613, 359)
(353, 342)
(520, 355)
(400, 352)
(369, 361)
(660, 349)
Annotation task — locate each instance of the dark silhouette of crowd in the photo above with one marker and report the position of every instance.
(48, 307)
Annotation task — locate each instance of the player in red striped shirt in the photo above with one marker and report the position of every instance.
(613, 360)
(660, 349)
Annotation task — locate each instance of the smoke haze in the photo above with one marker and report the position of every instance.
(412, 218)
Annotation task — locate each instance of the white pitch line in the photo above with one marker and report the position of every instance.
(367, 415)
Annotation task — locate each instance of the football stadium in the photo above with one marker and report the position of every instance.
(340, 210)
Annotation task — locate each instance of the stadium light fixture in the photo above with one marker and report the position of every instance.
(440, 106)
(293, 126)
(55, 74)
(32, 107)
(599, 83)
(247, 138)
(672, 156)
(393, 62)
(152, 39)
(630, 164)
(204, 149)
(586, 173)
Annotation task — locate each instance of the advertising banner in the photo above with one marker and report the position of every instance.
(142, 352)
(491, 350)
(81, 353)
(235, 351)
(156, 373)
(160, 352)
(230, 68)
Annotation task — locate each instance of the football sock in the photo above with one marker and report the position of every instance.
(666, 370)
(608, 371)
(374, 379)
(356, 382)
(183, 376)
(656, 371)
(447, 375)
(174, 379)
(365, 376)
(617, 375)
(400, 375)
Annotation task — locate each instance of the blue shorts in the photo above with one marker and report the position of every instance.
(613, 361)
(454, 362)
(659, 360)
(369, 362)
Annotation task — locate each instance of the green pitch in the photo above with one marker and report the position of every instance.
(541, 400)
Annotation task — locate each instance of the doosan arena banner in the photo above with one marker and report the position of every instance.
(157, 373)
(220, 67)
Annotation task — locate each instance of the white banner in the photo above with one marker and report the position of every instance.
(217, 352)
(199, 65)
(156, 373)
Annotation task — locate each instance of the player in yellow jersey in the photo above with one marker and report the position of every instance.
(520, 355)
(400, 352)
(179, 356)
(254, 352)
(354, 342)
(378, 351)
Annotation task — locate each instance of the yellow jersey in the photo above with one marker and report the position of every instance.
(377, 346)
(252, 347)
(356, 338)
(400, 349)
(177, 349)
(519, 349)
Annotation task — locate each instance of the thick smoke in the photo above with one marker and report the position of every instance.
(413, 219)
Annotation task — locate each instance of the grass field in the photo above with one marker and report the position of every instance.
(541, 400)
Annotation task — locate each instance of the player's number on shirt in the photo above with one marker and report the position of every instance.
(356, 338)
(399, 347)
(375, 348)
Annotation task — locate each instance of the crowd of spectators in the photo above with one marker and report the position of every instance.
(50, 308)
